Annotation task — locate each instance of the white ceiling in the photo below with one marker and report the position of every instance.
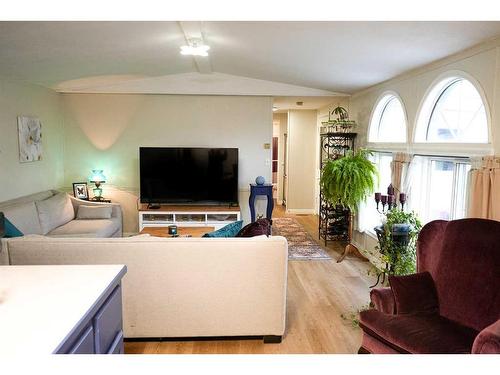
(315, 58)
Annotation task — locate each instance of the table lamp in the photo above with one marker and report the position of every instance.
(97, 178)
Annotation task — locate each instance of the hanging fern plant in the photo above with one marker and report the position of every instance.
(349, 180)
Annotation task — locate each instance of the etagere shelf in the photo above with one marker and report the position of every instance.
(333, 220)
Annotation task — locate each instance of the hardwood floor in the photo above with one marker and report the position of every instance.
(318, 293)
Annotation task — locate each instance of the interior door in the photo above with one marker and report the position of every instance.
(275, 166)
(285, 168)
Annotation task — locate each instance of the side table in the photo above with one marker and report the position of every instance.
(267, 190)
(100, 200)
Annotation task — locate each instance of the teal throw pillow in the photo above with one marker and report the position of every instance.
(11, 230)
(230, 230)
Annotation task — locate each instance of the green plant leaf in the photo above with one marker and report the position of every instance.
(349, 180)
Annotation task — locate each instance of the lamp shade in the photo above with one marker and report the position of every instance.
(97, 176)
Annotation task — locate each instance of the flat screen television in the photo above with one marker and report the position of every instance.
(188, 175)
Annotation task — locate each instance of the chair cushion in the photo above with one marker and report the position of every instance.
(463, 257)
(414, 293)
(86, 228)
(54, 212)
(418, 333)
(230, 230)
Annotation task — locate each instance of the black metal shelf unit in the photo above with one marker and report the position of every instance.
(333, 220)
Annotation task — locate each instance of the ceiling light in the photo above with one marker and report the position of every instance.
(275, 108)
(195, 47)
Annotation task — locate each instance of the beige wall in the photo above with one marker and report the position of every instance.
(482, 63)
(18, 179)
(106, 131)
(302, 143)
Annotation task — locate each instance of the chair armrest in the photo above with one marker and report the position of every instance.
(383, 300)
(488, 340)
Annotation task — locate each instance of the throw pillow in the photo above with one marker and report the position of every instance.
(10, 230)
(230, 230)
(414, 293)
(54, 212)
(94, 212)
(257, 228)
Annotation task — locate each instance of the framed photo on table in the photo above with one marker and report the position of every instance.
(81, 191)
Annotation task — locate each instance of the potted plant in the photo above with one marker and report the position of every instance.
(397, 242)
(347, 181)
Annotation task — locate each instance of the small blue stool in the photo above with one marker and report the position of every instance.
(267, 190)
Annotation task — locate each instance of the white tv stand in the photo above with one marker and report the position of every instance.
(188, 216)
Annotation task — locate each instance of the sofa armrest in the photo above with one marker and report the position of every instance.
(383, 300)
(116, 212)
(488, 340)
(4, 253)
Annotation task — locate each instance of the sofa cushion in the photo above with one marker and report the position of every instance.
(257, 228)
(230, 230)
(94, 212)
(418, 333)
(24, 216)
(86, 228)
(414, 293)
(54, 212)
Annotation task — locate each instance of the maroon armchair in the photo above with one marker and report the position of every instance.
(452, 303)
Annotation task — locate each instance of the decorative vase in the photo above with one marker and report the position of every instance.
(260, 180)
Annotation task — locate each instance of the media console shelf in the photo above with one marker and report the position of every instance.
(186, 216)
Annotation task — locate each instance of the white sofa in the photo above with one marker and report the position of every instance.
(181, 287)
(24, 214)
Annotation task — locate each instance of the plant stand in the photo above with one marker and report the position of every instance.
(333, 220)
(350, 249)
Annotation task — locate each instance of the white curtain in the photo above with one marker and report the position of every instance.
(399, 172)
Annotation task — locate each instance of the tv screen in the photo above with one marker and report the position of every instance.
(173, 175)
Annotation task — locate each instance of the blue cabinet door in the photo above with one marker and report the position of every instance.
(85, 344)
(108, 322)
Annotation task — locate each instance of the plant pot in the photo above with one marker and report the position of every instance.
(400, 234)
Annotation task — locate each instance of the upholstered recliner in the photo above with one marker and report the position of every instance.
(452, 305)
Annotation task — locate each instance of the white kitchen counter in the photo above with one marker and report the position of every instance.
(41, 306)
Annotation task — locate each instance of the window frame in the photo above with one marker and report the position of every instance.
(370, 199)
(374, 124)
(425, 185)
(427, 105)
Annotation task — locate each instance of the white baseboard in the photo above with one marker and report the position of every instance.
(306, 211)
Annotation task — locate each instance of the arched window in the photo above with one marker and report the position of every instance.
(388, 122)
(453, 111)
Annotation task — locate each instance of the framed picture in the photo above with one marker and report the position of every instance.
(30, 138)
(80, 190)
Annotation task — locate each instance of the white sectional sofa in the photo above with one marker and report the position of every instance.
(53, 213)
(181, 287)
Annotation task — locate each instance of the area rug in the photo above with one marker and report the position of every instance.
(301, 246)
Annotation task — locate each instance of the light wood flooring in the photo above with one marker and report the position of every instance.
(318, 293)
